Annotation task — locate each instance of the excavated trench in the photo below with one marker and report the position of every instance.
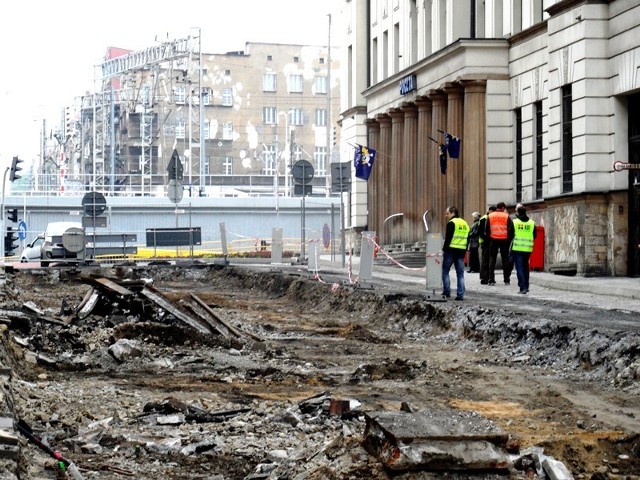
(131, 389)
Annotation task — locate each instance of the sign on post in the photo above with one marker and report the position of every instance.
(341, 177)
(302, 172)
(175, 170)
(94, 205)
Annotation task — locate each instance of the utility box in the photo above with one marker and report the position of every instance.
(536, 260)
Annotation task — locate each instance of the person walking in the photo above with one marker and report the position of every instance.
(499, 228)
(524, 235)
(453, 252)
(484, 241)
(474, 244)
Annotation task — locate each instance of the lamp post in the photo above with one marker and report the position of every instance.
(389, 218)
(424, 220)
(287, 137)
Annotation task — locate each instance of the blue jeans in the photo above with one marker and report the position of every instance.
(521, 262)
(456, 259)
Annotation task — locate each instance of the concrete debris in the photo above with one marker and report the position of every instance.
(190, 413)
(534, 459)
(556, 470)
(315, 403)
(204, 319)
(125, 349)
(445, 440)
(97, 387)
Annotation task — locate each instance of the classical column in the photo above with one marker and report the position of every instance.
(383, 161)
(397, 179)
(455, 111)
(423, 175)
(374, 185)
(439, 180)
(474, 146)
(408, 175)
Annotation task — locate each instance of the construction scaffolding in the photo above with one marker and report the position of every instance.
(123, 124)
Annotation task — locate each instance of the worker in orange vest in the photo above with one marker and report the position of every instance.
(499, 229)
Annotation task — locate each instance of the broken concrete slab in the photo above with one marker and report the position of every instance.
(556, 470)
(435, 440)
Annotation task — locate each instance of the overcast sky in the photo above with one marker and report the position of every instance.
(50, 48)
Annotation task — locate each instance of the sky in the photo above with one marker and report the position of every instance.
(51, 48)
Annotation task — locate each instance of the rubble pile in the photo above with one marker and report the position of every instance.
(226, 373)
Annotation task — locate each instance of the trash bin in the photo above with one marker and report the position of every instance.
(536, 260)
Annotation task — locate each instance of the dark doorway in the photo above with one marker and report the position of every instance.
(633, 264)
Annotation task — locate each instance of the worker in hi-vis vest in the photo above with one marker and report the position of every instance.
(499, 229)
(454, 250)
(524, 234)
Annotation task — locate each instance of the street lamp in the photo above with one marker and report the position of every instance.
(287, 141)
(389, 218)
(424, 220)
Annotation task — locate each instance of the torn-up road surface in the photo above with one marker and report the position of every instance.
(231, 373)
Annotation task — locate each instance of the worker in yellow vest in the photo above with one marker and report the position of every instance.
(453, 252)
(522, 246)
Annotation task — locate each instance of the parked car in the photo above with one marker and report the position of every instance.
(32, 252)
(48, 246)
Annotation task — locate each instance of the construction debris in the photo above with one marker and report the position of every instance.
(444, 440)
(127, 388)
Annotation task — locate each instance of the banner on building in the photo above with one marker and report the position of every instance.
(363, 159)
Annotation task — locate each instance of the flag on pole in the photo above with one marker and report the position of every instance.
(442, 148)
(453, 145)
(363, 159)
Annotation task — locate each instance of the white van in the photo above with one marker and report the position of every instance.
(48, 246)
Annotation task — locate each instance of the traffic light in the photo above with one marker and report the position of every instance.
(15, 169)
(12, 214)
(10, 242)
(334, 137)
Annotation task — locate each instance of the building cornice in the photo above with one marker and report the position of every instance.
(533, 31)
(566, 5)
(442, 55)
(353, 111)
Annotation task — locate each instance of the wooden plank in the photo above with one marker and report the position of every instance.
(204, 315)
(88, 303)
(113, 286)
(215, 316)
(156, 297)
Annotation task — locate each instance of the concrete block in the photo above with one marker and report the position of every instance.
(445, 440)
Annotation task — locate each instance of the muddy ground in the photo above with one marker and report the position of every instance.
(182, 404)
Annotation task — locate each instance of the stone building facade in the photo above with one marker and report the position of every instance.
(238, 120)
(544, 96)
